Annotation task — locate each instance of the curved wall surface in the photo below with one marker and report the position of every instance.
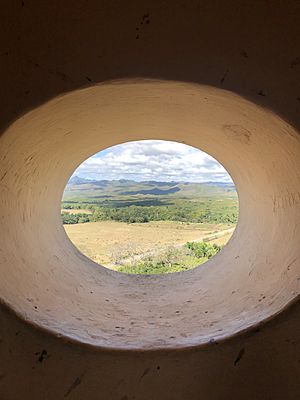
(80, 77)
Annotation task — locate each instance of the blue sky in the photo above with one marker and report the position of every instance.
(153, 160)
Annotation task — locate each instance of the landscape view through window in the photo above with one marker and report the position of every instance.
(150, 207)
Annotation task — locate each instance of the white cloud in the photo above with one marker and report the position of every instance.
(153, 160)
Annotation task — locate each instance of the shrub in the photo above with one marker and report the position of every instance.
(203, 249)
(173, 259)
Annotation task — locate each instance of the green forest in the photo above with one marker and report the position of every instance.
(209, 210)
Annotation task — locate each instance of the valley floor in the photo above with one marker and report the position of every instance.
(108, 242)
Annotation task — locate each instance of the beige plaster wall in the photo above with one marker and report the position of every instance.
(80, 77)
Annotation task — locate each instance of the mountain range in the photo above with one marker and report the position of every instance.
(78, 187)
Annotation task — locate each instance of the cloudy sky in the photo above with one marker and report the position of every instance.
(153, 160)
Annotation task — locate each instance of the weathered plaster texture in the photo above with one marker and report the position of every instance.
(81, 76)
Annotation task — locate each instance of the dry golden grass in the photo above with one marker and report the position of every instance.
(101, 241)
(222, 240)
(79, 211)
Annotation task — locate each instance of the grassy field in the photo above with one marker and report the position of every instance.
(107, 241)
(78, 211)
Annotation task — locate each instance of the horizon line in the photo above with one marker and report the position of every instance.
(148, 180)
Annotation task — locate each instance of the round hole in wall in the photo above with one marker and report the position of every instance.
(53, 286)
(150, 207)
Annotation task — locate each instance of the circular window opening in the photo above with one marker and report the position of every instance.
(150, 207)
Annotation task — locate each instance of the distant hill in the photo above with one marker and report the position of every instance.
(76, 180)
(155, 191)
(78, 187)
